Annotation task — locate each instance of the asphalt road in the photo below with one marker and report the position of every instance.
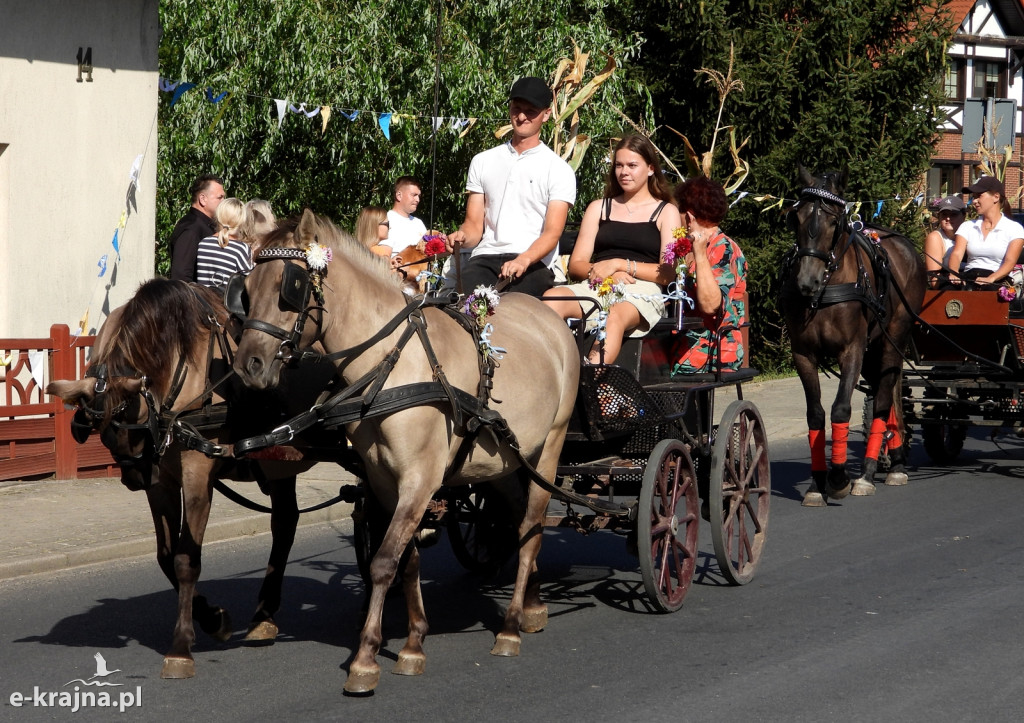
(906, 606)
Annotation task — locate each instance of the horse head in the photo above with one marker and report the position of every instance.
(145, 357)
(819, 221)
(278, 297)
(117, 408)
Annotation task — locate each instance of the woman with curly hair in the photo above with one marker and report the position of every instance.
(717, 281)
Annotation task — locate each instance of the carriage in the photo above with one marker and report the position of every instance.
(965, 368)
(644, 458)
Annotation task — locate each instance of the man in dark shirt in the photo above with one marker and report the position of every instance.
(207, 193)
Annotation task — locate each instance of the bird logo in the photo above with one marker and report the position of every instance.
(101, 672)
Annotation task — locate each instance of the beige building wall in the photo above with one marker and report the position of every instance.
(66, 152)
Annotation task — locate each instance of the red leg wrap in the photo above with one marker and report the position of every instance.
(896, 440)
(816, 437)
(840, 435)
(875, 438)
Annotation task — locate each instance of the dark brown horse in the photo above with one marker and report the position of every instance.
(361, 315)
(849, 294)
(146, 392)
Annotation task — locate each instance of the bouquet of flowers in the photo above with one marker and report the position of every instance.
(675, 254)
(317, 258)
(1013, 286)
(433, 244)
(481, 304)
(609, 292)
(478, 306)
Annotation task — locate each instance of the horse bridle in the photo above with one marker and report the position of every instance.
(297, 288)
(820, 197)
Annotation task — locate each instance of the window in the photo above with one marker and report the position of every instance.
(945, 179)
(989, 79)
(954, 79)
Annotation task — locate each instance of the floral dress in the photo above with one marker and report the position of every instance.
(695, 350)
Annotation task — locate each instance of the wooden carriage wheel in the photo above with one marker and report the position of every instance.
(667, 523)
(480, 534)
(739, 491)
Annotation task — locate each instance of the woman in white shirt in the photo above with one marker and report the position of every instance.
(991, 244)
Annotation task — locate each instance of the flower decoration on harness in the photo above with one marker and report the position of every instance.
(317, 258)
(433, 246)
(676, 252)
(478, 306)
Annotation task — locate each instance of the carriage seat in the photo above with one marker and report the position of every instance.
(649, 358)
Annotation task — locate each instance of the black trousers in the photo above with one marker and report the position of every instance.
(484, 270)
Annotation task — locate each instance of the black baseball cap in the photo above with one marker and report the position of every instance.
(990, 184)
(533, 90)
(950, 203)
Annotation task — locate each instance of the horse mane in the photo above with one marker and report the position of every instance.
(163, 321)
(340, 241)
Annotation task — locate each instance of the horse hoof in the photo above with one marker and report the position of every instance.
(409, 664)
(896, 479)
(506, 646)
(862, 488)
(813, 498)
(178, 668)
(839, 493)
(361, 683)
(223, 630)
(264, 633)
(534, 620)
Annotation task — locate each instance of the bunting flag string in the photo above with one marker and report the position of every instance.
(461, 125)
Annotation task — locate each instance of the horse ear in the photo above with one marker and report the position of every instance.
(806, 176)
(307, 225)
(71, 391)
(843, 178)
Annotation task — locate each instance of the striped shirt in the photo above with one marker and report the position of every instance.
(215, 265)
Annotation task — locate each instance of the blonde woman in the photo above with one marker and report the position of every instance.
(222, 256)
(372, 227)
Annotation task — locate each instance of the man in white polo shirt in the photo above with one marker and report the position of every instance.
(520, 194)
(405, 229)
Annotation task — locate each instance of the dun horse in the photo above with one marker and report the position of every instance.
(846, 295)
(364, 321)
(149, 369)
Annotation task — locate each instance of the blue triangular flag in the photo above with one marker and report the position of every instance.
(878, 210)
(117, 247)
(351, 116)
(214, 99)
(102, 263)
(384, 121)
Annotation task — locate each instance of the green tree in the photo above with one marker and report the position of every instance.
(375, 57)
(831, 85)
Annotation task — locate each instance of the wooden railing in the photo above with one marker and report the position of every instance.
(35, 434)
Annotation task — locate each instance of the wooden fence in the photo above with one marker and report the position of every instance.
(35, 434)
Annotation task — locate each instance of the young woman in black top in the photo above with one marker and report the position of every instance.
(623, 237)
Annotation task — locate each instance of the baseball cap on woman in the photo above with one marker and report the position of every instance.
(989, 184)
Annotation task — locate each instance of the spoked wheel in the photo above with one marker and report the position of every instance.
(739, 492)
(667, 522)
(481, 536)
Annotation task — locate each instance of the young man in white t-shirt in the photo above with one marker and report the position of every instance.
(520, 194)
(405, 229)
